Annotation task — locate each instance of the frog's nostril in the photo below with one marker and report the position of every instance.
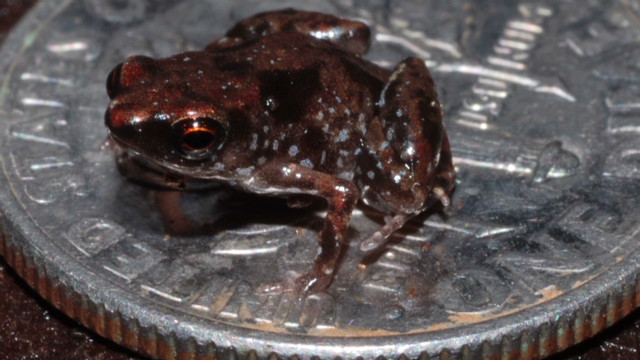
(113, 81)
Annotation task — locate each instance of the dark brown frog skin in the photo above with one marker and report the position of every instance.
(284, 105)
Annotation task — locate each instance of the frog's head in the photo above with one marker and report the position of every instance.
(153, 115)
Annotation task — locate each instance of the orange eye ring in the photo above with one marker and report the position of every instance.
(199, 138)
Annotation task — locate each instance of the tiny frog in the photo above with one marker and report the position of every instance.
(284, 105)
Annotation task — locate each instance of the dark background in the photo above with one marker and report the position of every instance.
(32, 329)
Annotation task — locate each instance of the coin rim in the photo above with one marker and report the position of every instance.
(162, 332)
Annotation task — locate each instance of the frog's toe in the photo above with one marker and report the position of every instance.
(381, 237)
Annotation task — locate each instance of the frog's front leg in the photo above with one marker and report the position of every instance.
(407, 166)
(341, 196)
(352, 36)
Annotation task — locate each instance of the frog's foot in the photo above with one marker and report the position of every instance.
(381, 237)
(310, 283)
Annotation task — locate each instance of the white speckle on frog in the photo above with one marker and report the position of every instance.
(266, 143)
(343, 135)
(344, 153)
(307, 163)
(332, 110)
(254, 141)
(262, 160)
(338, 99)
(391, 134)
(325, 128)
(434, 103)
(319, 116)
(265, 129)
(397, 178)
(384, 145)
(371, 175)
(245, 171)
(362, 123)
(276, 144)
(163, 116)
(218, 166)
(399, 113)
(293, 150)
(347, 112)
(323, 157)
(340, 163)
(410, 151)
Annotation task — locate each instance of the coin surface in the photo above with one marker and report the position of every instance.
(538, 250)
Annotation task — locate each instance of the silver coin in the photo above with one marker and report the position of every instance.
(538, 251)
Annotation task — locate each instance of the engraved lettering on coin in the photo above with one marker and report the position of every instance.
(42, 158)
(472, 290)
(624, 161)
(92, 235)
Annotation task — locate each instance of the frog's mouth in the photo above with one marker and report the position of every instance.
(140, 168)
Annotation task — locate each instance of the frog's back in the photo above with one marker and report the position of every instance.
(317, 99)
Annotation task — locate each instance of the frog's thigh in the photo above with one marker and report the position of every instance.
(404, 143)
(341, 196)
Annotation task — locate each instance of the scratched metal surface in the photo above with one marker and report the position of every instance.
(541, 238)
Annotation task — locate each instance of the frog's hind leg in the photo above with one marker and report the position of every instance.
(352, 36)
(407, 166)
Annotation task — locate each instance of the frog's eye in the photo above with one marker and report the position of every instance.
(200, 137)
(113, 80)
